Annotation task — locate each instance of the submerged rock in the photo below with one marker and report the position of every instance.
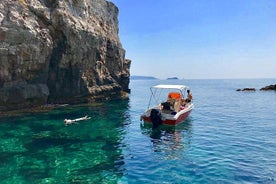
(60, 52)
(270, 87)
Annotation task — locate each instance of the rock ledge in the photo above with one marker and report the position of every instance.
(60, 51)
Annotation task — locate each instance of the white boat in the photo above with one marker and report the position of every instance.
(167, 105)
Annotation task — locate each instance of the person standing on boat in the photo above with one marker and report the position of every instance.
(189, 96)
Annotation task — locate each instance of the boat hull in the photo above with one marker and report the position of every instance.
(169, 121)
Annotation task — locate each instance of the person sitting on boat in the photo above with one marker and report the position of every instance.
(174, 98)
(177, 105)
(166, 106)
(189, 96)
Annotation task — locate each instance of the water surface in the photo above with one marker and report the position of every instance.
(228, 138)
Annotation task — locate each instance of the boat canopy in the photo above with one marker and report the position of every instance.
(165, 86)
(157, 95)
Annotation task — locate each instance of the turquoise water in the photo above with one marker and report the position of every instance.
(228, 138)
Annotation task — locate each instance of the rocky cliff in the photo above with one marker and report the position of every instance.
(60, 51)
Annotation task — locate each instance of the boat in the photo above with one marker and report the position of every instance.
(167, 105)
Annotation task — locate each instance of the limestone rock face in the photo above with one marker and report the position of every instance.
(60, 51)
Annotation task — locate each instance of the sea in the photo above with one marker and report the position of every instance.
(230, 137)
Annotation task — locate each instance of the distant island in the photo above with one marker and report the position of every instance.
(172, 78)
(137, 77)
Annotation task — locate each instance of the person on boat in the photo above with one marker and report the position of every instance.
(189, 96)
(174, 100)
(166, 106)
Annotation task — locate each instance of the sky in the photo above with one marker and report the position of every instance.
(202, 39)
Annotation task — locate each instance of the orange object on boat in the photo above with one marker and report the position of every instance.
(174, 95)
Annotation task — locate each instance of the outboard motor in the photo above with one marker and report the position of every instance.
(155, 117)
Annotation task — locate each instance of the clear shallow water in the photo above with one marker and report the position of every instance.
(229, 138)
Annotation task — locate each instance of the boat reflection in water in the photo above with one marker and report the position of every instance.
(169, 141)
